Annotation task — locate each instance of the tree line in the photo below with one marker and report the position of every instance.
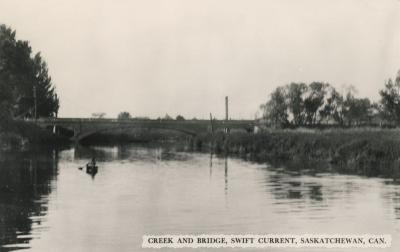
(124, 115)
(318, 103)
(24, 80)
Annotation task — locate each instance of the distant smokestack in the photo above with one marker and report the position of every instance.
(226, 108)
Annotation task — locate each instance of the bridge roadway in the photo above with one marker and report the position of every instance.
(84, 127)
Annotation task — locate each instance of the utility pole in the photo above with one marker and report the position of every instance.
(226, 108)
(35, 101)
(212, 126)
(226, 114)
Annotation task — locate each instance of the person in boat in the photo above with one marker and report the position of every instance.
(93, 162)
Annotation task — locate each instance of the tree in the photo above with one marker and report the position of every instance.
(314, 101)
(320, 102)
(7, 84)
(180, 118)
(333, 107)
(275, 110)
(48, 103)
(358, 110)
(98, 115)
(167, 117)
(295, 93)
(21, 74)
(375, 112)
(124, 115)
(6, 102)
(390, 99)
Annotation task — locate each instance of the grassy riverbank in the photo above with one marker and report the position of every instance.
(376, 149)
(355, 147)
(21, 134)
(370, 151)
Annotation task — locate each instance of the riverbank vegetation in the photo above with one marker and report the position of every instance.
(21, 135)
(26, 91)
(315, 122)
(319, 103)
(26, 87)
(372, 150)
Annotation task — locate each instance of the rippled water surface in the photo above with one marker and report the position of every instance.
(48, 204)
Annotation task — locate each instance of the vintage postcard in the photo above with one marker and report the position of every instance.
(200, 125)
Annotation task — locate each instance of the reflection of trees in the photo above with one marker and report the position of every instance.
(285, 186)
(87, 153)
(392, 196)
(315, 192)
(226, 175)
(367, 168)
(130, 152)
(396, 203)
(25, 183)
(286, 183)
(226, 166)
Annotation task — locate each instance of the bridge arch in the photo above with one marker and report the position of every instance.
(84, 127)
(80, 136)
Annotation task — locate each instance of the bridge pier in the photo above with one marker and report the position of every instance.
(75, 138)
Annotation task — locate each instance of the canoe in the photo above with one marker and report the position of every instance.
(90, 168)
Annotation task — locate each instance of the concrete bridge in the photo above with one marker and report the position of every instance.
(81, 128)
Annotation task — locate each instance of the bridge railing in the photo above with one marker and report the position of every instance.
(111, 120)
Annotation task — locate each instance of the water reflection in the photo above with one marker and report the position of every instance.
(138, 190)
(26, 180)
(392, 198)
(225, 170)
(127, 153)
(211, 163)
(315, 192)
(226, 175)
(91, 173)
(284, 186)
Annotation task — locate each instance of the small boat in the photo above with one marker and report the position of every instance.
(91, 168)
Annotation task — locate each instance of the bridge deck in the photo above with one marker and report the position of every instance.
(83, 127)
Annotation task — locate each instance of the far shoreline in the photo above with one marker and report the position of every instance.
(373, 150)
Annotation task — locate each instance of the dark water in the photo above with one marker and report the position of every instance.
(48, 204)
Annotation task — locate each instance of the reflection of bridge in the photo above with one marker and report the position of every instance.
(82, 128)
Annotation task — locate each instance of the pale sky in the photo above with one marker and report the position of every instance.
(154, 57)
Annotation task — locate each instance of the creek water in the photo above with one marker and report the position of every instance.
(48, 204)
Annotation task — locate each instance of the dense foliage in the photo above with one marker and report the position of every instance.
(22, 77)
(299, 104)
(180, 118)
(124, 115)
(390, 100)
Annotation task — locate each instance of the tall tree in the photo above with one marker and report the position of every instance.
(358, 111)
(180, 118)
(295, 95)
(333, 107)
(124, 115)
(275, 110)
(22, 74)
(7, 87)
(48, 104)
(314, 101)
(6, 102)
(390, 99)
